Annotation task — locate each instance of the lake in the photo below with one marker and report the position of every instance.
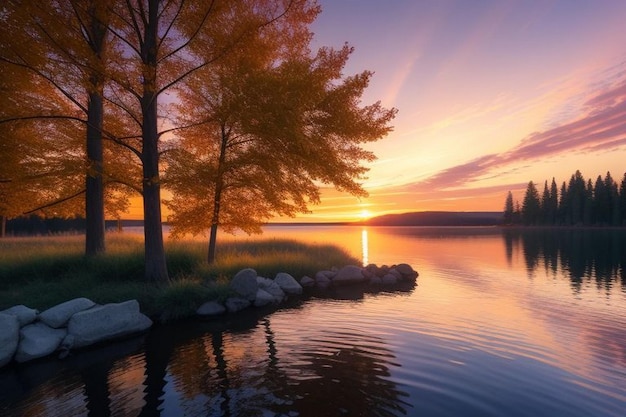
(501, 323)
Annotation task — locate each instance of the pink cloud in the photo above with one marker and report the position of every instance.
(602, 127)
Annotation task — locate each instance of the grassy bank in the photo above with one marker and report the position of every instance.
(40, 272)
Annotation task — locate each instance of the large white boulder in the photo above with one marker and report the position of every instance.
(106, 322)
(271, 287)
(9, 337)
(59, 315)
(38, 340)
(350, 274)
(288, 283)
(24, 314)
(244, 284)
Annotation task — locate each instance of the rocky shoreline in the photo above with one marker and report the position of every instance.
(27, 334)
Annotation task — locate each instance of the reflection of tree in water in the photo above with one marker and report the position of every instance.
(252, 373)
(351, 381)
(227, 367)
(583, 254)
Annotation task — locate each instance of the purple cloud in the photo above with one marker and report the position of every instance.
(603, 127)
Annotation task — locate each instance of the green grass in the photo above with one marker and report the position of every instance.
(40, 272)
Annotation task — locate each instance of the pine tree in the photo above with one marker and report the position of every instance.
(622, 201)
(509, 209)
(545, 204)
(554, 202)
(531, 206)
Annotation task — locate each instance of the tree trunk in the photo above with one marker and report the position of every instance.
(155, 264)
(219, 185)
(3, 226)
(94, 185)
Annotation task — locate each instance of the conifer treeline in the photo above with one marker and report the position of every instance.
(577, 202)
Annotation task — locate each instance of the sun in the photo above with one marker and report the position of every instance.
(365, 214)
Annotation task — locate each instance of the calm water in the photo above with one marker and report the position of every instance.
(500, 324)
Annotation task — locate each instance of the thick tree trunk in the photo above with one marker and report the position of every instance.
(94, 184)
(155, 264)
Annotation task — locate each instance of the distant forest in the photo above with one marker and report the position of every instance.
(579, 202)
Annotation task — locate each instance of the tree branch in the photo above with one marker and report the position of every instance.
(54, 203)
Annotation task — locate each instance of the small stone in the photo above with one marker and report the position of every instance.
(235, 304)
(389, 279)
(307, 281)
(263, 298)
(211, 308)
(271, 287)
(350, 274)
(288, 283)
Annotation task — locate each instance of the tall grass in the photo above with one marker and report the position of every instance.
(43, 271)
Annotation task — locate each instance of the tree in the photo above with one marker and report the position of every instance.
(531, 206)
(64, 44)
(273, 122)
(160, 43)
(553, 203)
(508, 209)
(40, 166)
(622, 201)
(545, 204)
(576, 196)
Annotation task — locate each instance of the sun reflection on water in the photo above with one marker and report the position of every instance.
(364, 247)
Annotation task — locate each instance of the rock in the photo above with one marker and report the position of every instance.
(375, 280)
(322, 281)
(288, 283)
(325, 275)
(263, 298)
(404, 269)
(244, 284)
(24, 314)
(395, 273)
(350, 274)
(38, 340)
(9, 337)
(235, 304)
(211, 308)
(307, 282)
(371, 269)
(107, 322)
(271, 287)
(59, 315)
(389, 279)
(408, 273)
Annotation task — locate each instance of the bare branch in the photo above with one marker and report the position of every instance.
(54, 203)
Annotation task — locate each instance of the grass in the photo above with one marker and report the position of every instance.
(40, 272)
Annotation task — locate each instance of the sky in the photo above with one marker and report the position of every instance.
(491, 94)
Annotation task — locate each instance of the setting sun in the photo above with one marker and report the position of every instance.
(365, 214)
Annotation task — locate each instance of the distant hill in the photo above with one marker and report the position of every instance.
(439, 218)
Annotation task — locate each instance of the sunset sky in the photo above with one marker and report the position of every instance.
(491, 94)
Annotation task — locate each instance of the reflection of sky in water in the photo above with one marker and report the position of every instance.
(493, 328)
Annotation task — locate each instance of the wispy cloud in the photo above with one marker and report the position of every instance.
(601, 127)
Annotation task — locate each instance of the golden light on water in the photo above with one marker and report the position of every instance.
(364, 247)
